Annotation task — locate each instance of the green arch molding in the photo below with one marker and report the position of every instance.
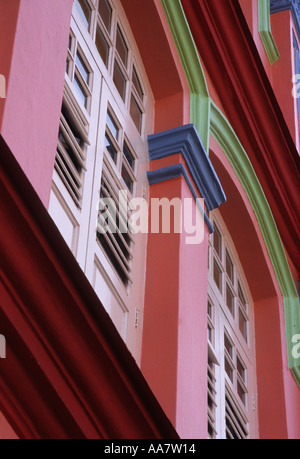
(207, 118)
(265, 32)
(199, 95)
(230, 144)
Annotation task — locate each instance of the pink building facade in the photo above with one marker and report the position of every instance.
(150, 226)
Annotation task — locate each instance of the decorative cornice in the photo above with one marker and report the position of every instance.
(175, 171)
(279, 5)
(294, 5)
(186, 140)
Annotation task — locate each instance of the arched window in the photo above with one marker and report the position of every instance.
(102, 157)
(231, 342)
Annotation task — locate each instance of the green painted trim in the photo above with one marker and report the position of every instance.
(228, 141)
(264, 27)
(209, 119)
(199, 95)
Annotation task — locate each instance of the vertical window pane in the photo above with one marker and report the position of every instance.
(136, 113)
(105, 12)
(119, 81)
(217, 242)
(217, 276)
(241, 370)
(80, 91)
(122, 47)
(85, 12)
(241, 393)
(229, 349)
(209, 333)
(228, 369)
(136, 83)
(210, 326)
(127, 179)
(82, 68)
(112, 126)
(102, 46)
(209, 310)
(229, 300)
(128, 155)
(243, 325)
(111, 149)
(229, 267)
(241, 295)
(228, 346)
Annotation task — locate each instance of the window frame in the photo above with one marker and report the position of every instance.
(120, 299)
(113, 57)
(225, 323)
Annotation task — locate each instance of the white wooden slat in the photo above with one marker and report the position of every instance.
(125, 271)
(72, 142)
(73, 172)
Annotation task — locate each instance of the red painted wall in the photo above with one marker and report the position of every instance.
(35, 53)
(159, 361)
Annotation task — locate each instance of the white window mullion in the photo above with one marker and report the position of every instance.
(100, 39)
(235, 377)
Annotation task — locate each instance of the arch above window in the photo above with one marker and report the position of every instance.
(228, 141)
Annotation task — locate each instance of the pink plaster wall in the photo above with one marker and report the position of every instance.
(35, 85)
(6, 431)
(192, 337)
(174, 353)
